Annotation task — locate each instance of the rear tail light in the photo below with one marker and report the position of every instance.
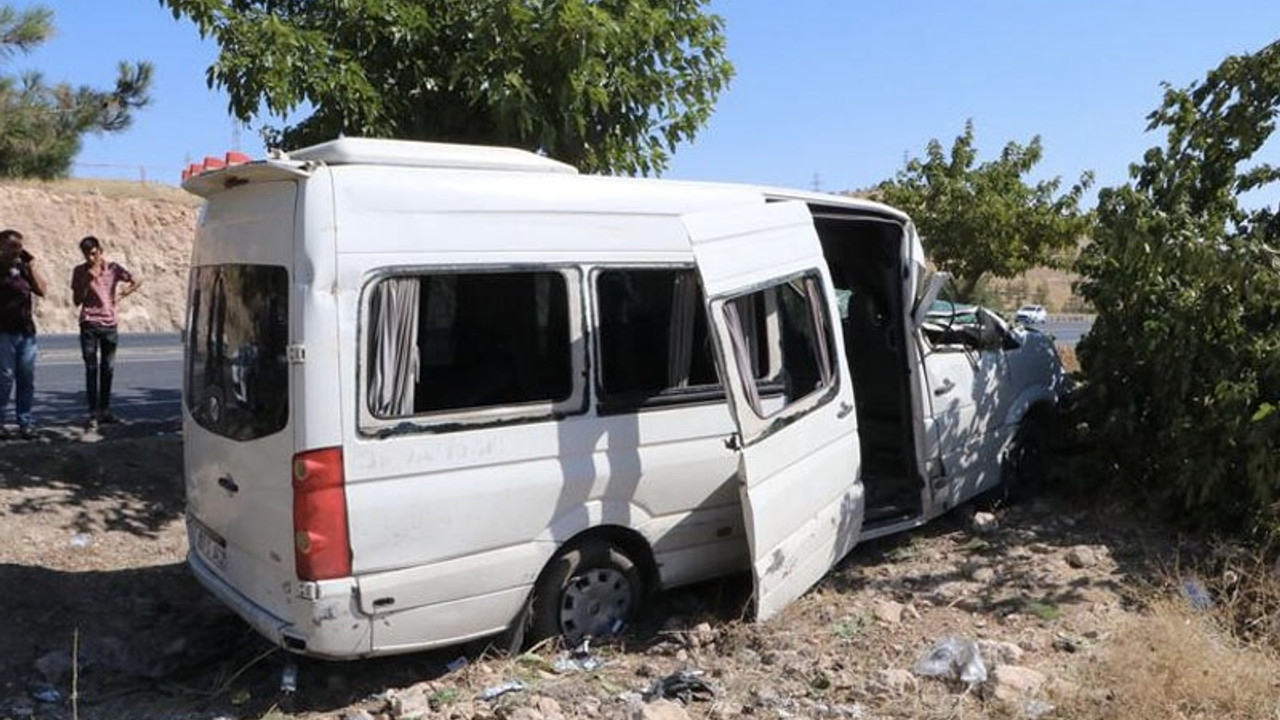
(321, 546)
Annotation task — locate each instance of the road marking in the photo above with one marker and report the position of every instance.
(59, 360)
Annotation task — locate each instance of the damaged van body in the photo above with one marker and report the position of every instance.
(433, 393)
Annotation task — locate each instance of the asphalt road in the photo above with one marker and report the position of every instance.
(147, 386)
(148, 382)
(1068, 331)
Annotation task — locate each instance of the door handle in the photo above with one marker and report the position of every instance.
(845, 409)
(946, 387)
(228, 484)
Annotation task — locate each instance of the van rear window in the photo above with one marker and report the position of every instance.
(236, 353)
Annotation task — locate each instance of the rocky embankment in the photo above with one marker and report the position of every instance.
(146, 228)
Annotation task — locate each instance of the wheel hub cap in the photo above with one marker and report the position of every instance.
(595, 604)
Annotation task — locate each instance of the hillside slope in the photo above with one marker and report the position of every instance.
(146, 228)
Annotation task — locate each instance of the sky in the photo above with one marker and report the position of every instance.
(829, 94)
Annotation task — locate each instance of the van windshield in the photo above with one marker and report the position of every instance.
(236, 364)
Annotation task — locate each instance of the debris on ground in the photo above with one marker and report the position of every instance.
(953, 659)
(685, 685)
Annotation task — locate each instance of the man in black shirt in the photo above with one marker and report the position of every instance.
(19, 281)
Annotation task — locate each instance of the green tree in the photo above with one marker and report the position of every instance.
(607, 85)
(980, 220)
(1183, 362)
(41, 125)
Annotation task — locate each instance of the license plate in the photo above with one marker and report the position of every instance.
(210, 547)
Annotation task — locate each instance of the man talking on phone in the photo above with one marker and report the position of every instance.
(93, 288)
(19, 281)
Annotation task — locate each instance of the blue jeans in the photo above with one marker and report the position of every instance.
(18, 353)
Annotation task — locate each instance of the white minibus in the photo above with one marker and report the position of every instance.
(434, 393)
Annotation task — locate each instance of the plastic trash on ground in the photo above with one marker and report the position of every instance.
(1197, 595)
(1036, 709)
(685, 686)
(500, 690)
(46, 695)
(576, 660)
(289, 676)
(955, 659)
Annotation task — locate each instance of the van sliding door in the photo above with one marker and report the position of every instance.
(771, 305)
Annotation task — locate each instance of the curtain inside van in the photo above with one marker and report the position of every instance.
(686, 299)
(739, 335)
(822, 348)
(393, 367)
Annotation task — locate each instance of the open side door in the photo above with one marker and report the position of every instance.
(771, 306)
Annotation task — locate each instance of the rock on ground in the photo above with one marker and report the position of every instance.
(659, 710)
(1013, 683)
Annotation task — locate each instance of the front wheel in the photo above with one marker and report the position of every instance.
(589, 590)
(1029, 459)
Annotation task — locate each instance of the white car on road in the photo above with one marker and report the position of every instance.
(1031, 315)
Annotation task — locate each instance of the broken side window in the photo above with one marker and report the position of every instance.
(652, 336)
(799, 350)
(456, 341)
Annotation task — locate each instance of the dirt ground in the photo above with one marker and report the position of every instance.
(102, 620)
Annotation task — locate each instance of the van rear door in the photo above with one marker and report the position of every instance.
(238, 430)
(770, 300)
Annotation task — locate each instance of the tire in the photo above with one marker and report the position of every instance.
(589, 590)
(1029, 459)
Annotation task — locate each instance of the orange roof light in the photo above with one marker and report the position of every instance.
(210, 163)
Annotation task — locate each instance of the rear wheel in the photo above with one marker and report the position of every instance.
(588, 590)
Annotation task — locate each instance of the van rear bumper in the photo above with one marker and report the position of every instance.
(326, 627)
(267, 624)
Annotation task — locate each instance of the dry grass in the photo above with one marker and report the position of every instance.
(1070, 362)
(1174, 661)
(112, 189)
(1245, 582)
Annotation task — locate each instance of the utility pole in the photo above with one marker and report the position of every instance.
(817, 181)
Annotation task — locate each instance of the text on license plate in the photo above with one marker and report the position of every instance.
(211, 547)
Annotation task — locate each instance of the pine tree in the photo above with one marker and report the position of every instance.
(41, 125)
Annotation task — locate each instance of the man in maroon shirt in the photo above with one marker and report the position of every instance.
(19, 280)
(93, 288)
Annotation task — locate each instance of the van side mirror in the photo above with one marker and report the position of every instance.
(993, 334)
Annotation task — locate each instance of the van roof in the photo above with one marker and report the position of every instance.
(352, 151)
(382, 151)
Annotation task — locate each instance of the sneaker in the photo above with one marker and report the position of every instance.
(27, 432)
(106, 418)
(91, 424)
